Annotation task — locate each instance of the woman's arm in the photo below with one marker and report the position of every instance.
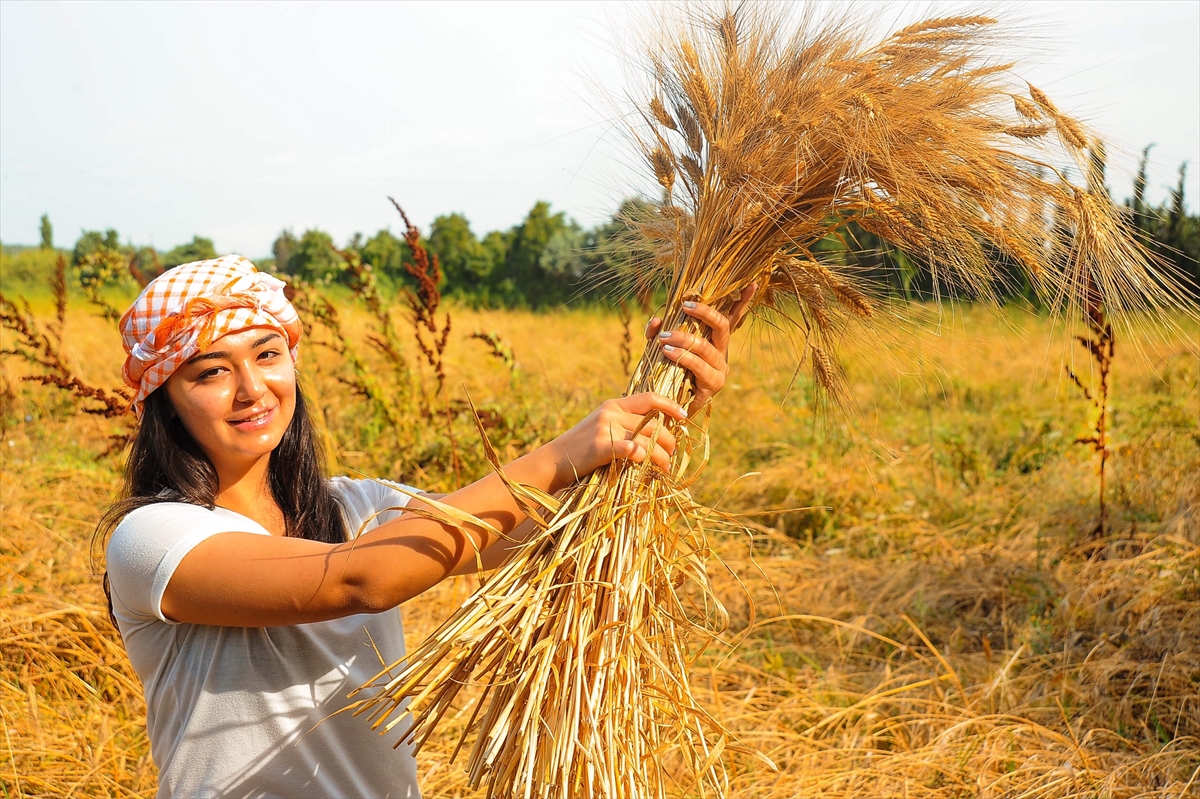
(248, 580)
(499, 552)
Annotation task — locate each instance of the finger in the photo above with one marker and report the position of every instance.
(659, 455)
(644, 429)
(661, 458)
(652, 327)
(716, 321)
(629, 451)
(708, 377)
(742, 306)
(641, 404)
(638, 450)
(697, 345)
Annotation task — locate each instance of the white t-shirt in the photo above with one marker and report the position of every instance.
(240, 712)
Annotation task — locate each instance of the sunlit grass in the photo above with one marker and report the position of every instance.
(924, 622)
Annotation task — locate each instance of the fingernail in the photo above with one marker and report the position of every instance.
(683, 412)
(689, 304)
(668, 348)
(665, 334)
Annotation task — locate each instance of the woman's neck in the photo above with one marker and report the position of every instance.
(246, 489)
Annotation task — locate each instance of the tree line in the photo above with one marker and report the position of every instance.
(549, 259)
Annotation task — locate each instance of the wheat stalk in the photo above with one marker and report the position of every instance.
(774, 143)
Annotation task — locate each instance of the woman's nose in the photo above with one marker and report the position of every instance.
(251, 383)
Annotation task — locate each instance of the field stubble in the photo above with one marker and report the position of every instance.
(914, 615)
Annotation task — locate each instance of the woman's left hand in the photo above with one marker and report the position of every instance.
(706, 358)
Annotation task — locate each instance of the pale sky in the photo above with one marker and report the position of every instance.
(238, 120)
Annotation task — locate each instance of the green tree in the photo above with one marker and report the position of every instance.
(1167, 229)
(385, 253)
(613, 258)
(145, 264)
(1138, 202)
(1179, 233)
(1176, 215)
(282, 248)
(314, 258)
(93, 241)
(198, 249)
(47, 233)
(524, 279)
(495, 246)
(466, 263)
(563, 262)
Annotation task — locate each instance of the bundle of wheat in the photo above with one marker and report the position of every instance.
(771, 142)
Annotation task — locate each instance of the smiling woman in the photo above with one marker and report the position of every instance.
(251, 591)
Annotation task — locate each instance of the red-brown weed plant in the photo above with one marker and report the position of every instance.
(314, 307)
(364, 284)
(626, 317)
(45, 352)
(423, 303)
(1099, 345)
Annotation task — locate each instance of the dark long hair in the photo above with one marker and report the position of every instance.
(166, 465)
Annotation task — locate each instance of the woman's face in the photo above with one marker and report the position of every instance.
(237, 397)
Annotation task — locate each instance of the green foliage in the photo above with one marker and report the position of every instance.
(47, 231)
(495, 250)
(146, 265)
(102, 263)
(314, 258)
(29, 268)
(386, 254)
(1138, 204)
(311, 257)
(282, 248)
(198, 249)
(97, 244)
(1168, 229)
(535, 273)
(549, 259)
(562, 260)
(879, 264)
(466, 263)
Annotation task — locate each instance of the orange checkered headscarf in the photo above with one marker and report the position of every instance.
(187, 308)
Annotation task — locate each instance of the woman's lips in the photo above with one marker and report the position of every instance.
(256, 421)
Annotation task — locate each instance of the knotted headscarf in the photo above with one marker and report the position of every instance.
(183, 310)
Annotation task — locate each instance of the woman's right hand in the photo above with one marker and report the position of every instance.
(611, 432)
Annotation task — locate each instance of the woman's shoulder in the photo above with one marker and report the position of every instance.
(159, 511)
(369, 502)
(163, 521)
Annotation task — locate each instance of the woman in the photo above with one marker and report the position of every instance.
(251, 592)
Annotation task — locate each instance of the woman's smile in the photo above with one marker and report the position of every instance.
(255, 420)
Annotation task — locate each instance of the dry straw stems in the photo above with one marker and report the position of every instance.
(768, 136)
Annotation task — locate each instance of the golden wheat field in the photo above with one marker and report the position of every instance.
(917, 612)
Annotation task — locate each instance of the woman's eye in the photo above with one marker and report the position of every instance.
(209, 373)
(267, 355)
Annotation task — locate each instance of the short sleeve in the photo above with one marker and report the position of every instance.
(148, 545)
(370, 503)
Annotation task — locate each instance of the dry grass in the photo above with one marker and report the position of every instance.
(952, 498)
